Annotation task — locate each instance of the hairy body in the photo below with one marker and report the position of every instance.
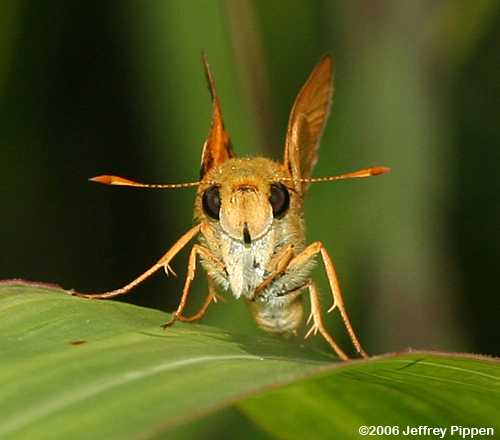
(244, 188)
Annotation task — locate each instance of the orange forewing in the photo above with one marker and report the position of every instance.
(217, 148)
(307, 121)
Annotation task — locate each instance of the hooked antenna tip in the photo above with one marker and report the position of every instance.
(101, 179)
(376, 171)
(110, 180)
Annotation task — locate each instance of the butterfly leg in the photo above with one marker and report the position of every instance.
(277, 266)
(163, 262)
(191, 271)
(317, 325)
(338, 301)
(211, 297)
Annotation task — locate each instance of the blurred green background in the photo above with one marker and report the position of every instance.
(91, 87)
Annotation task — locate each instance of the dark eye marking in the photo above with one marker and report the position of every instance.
(279, 199)
(211, 202)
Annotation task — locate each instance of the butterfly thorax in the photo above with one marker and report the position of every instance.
(277, 308)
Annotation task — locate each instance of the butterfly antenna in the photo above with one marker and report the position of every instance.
(360, 174)
(121, 181)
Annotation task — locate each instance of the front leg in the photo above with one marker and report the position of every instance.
(163, 262)
(211, 297)
(318, 325)
(191, 271)
(276, 268)
(338, 302)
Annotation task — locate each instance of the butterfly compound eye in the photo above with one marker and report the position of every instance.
(279, 199)
(211, 202)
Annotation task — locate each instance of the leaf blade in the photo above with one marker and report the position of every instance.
(87, 369)
(125, 355)
(405, 390)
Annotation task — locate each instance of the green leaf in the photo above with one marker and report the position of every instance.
(107, 369)
(74, 368)
(420, 389)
